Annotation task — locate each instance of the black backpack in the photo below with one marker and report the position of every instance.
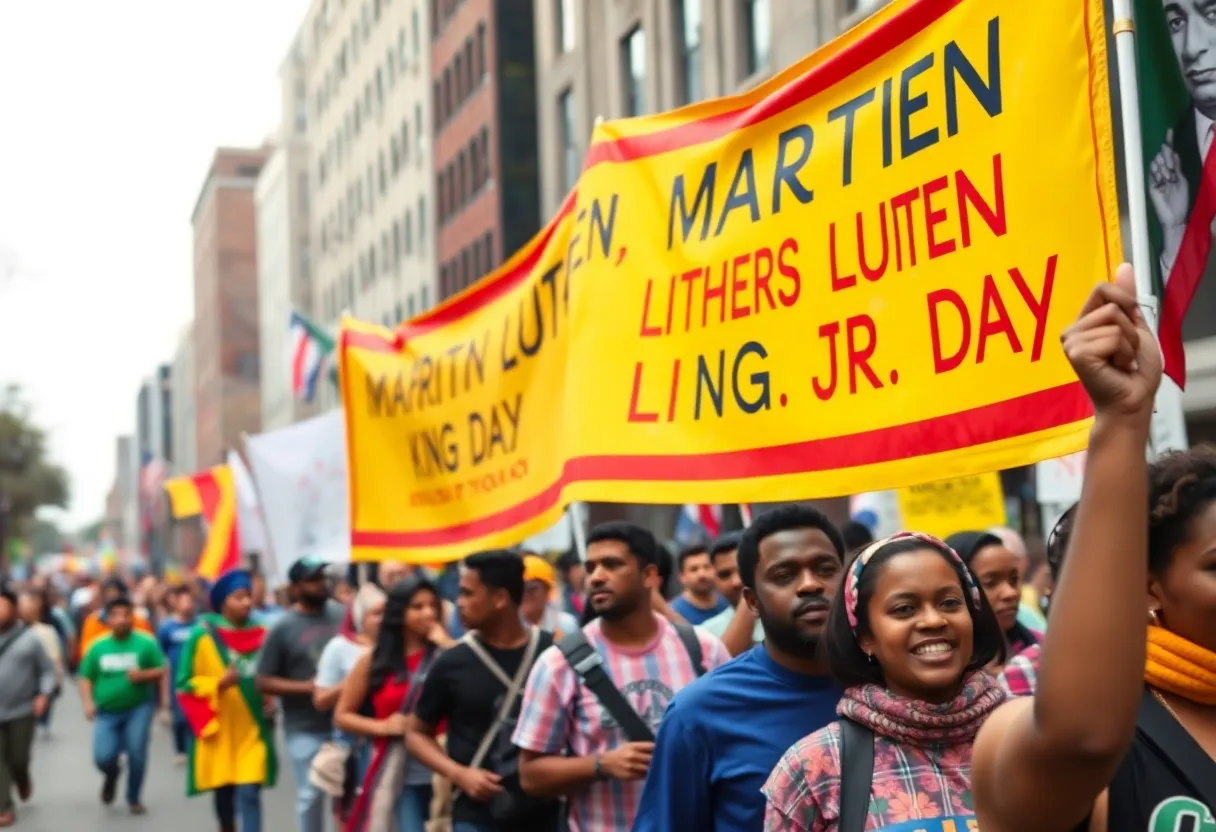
(856, 775)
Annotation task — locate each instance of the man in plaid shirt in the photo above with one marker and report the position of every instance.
(645, 659)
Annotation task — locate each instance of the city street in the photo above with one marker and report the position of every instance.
(66, 787)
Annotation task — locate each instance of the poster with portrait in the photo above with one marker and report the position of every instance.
(1176, 58)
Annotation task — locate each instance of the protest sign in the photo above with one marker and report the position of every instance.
(965, 504)
(851, 278)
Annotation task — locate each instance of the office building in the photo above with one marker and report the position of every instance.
(483, 87)
(227, 388)
(368, 81)
(185, 448)
(615, 59)
(284, 257)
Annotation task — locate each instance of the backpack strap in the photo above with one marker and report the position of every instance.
(688, 635)
(588, 665)
(856, 774)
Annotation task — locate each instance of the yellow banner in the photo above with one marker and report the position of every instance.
(966, 504)
(851, 278)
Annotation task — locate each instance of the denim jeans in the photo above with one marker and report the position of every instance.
(310, 801)
(181, 736)
(243, 803)
(414, 808)
(124, 732)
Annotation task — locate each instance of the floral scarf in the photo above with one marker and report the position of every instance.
(914, 722)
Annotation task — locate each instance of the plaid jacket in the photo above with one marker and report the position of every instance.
(1020, 675)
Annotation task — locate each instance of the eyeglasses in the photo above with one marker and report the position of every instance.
(1057, 539)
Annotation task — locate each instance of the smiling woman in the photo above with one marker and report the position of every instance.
(908, 638)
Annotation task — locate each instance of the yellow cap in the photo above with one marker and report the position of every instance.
(537, 568)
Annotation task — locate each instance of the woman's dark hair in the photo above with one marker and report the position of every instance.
(388, 656)
(850, 665)
(1181, 485)
(970, 544)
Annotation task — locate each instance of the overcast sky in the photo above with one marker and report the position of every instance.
(109, 114)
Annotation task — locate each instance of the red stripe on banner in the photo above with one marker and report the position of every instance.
(899, 28)
(1188, 270)
(1024, 415)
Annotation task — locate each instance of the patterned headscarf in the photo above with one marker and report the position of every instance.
(853, 579)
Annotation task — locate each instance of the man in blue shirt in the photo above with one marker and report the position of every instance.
(722, 735)
(700, 600)
(172, 634)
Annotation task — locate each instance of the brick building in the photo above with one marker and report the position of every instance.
(484, 102)
(227, 391)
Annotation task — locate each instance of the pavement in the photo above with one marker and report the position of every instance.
(67, 787)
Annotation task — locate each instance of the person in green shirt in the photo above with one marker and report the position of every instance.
(118, 677)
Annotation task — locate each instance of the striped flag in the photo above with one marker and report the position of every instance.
(698, 523)
(1176, 58)
(211, 495)
(311, 348)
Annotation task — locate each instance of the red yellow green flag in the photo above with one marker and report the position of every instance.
(212, 495)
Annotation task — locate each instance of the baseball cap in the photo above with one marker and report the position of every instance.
(537, 568)
(306, 568)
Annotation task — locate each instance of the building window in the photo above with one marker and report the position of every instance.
(418, 125)
(405, 140)
(633, 64)
(462, 165)
(487, 243)
(425, 302)
(437, 92)
(458, 74)
(569, 148)
(451, 183)
(466, 274)
(689, 20)
(371, 264)
(409, 306)
(470, 79)
(448, 104)
(390, 62)
(396, 244)
(422, 225)
(485, 154)
(384, 258)
(441, 202)
(481, 50)
(415, 34)
(477, 271)
(758, 29)
(564, 25)
(393, 155)
(381, 169)
(475, 164)
(409, 233)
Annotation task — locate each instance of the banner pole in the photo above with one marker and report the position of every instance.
(574, 510)
(745, 514)
(1168, 420)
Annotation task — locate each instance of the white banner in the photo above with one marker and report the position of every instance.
(1058, 481)
(301, 475)
(249, 512)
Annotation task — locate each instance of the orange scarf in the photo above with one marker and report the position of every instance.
(1177, 666)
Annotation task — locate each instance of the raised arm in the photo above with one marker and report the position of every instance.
(1041, 763)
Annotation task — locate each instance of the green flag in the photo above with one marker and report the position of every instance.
(1176, 57)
